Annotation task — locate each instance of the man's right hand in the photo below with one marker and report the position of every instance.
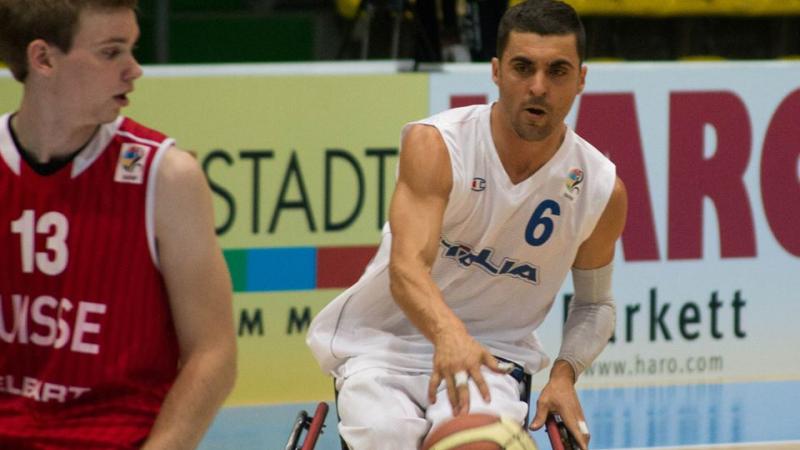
(458, 357)
(416, 214)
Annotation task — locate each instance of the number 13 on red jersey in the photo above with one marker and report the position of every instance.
(52, 260)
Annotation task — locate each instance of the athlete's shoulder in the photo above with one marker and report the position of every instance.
(179, 164)
(456, 126)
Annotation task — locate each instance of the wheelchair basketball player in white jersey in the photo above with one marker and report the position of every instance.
(494, 206)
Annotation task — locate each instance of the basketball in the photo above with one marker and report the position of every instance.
(479, 432)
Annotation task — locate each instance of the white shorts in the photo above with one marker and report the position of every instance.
(388, 409)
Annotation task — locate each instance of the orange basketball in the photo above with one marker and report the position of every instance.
(478, 432)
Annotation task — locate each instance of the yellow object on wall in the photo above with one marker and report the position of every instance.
(347, 8)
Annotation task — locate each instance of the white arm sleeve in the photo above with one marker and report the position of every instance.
(591, 318)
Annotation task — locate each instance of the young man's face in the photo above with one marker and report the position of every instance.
(538, 78)
(93, 79)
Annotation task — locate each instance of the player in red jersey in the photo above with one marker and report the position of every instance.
(116, 327)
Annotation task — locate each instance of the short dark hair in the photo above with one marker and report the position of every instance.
(55, 21)
(544, 17)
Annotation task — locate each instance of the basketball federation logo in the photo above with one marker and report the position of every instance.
(574, 179)
(130, 166)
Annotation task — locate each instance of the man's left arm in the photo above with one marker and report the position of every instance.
(591, 319)
(200, 296)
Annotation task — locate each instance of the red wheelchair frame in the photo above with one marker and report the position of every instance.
(312, 425)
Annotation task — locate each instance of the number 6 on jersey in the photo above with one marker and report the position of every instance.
(546, 223)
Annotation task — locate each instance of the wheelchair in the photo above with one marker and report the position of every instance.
(313, 426)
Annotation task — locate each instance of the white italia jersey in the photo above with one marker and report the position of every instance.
(504, 253)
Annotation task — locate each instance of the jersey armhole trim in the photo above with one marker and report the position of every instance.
(150, 200)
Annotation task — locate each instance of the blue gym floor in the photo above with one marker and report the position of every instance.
(619, 418)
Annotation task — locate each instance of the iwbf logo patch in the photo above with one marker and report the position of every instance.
(130, 166)
(574, 179)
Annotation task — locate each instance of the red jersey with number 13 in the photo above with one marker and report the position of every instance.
(88, 350)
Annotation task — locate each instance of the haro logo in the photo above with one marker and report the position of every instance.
(478, 184)
(574, 179)
(466, 257)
